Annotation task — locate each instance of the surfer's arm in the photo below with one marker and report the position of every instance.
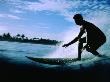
(82, 31)
(76, 39)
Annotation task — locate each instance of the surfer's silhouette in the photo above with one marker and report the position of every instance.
(94, 38)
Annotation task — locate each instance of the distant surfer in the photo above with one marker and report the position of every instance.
(94, 39)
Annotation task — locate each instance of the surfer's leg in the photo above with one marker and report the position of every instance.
(94, 52)
(80, 46)
(94, 46)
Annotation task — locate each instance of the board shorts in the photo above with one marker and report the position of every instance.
(93, 44)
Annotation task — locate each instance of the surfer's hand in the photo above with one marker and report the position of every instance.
(65, 45)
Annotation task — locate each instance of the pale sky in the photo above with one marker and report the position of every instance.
(51, 18)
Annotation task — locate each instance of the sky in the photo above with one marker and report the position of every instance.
(51, 18)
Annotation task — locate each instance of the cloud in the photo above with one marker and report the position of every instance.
(16, 11)
(66, 8)
(12, 16)
(92, 10)
(50, 5)
(9, 16)
(57, 6)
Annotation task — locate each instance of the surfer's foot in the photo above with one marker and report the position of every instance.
(98, 55)
(78, 58)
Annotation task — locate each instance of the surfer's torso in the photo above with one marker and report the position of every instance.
(94, 34)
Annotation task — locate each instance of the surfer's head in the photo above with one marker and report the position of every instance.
(78, 19)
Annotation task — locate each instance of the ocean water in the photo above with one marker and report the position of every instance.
(14, 52)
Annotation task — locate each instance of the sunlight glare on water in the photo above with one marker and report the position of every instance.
(69, 52)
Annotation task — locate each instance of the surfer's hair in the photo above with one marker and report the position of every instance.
(78, 16)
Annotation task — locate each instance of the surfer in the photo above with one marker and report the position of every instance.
(94, 38)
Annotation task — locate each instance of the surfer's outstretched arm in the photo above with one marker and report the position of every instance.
(73, 41)
(76, 39)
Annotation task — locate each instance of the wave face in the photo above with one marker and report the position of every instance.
(16, 52)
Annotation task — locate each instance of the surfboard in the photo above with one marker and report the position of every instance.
(55, 61)
(62, 61)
